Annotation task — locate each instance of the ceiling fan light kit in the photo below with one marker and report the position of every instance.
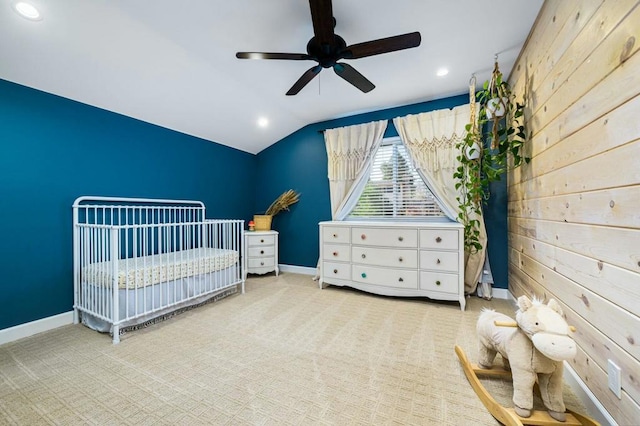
(327, 48)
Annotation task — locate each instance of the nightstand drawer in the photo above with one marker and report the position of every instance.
(260, 262)
(260, 240)
(261, 251)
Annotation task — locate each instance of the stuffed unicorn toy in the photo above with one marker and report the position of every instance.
(535, 349)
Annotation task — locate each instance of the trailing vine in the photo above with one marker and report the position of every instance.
(492, 145)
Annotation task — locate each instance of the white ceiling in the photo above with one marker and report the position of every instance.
(173, 63)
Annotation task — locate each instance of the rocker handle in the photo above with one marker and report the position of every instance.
(515, 324)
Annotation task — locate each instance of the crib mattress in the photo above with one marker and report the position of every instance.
(158, 268)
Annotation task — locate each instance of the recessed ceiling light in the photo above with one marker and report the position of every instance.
(27, 10)
(442, 72)
(263, 122)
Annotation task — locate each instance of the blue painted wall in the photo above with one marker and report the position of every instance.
(299, 162)
(54, 150)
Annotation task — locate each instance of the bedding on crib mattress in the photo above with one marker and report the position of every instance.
(145, 271)
(139, 305)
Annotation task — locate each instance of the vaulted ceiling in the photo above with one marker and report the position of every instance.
(173, 63)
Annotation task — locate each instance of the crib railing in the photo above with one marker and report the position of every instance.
(135, 258)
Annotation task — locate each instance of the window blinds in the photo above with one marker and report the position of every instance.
(394, 188)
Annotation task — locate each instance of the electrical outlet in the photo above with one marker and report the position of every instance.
(613, 372)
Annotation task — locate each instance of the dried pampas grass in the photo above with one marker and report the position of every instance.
(283, 202)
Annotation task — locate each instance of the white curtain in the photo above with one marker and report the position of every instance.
(430, 138)
(349, 153)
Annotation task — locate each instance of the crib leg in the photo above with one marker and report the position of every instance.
(242, 286)
(76, 316)
(116, 334)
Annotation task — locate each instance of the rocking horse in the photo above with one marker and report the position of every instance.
(533, 349)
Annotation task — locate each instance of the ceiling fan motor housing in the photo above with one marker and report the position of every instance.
(327, 54)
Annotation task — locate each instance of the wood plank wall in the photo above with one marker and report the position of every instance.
(574, 211)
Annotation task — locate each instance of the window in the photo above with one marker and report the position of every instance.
(394, 188)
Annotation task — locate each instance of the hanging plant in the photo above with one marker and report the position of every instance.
(492, 145)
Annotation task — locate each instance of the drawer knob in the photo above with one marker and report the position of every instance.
(364, 275)
(262, 241)
(261, 251)
(335, 271)
(438, 261)
(364, 237)
(438, 282)
(364, 256)
(438, 239)
(400, 279)
(400, 238)
(335, 235)
(400, 259)
(335, 253)
(261, 263)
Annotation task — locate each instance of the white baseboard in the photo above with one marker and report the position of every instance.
(304, 270)
(594, 408)
(34, 327)
(501, 293)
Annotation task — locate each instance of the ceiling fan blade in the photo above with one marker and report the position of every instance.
(267, 55)
(383, 45)
(354, 77)
(323, 22)
(304, 80)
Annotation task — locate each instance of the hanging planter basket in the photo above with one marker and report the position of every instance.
(496, 107)
(473, 152)
(500, 125)
(496, 102)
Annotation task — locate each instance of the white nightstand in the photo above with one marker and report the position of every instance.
(261, 252)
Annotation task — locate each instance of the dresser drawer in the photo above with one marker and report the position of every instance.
(399, 278)
(339, 252)
(335, 234)
(261, 251)
(341, 271)
(261, 240)
(259, 262)
(441, 239)
(388, 237)
(396, 258)
(439, 260)
(439, 281)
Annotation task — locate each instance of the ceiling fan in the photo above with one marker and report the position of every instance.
(327, 48)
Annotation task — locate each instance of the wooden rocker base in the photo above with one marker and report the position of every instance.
(508, 416)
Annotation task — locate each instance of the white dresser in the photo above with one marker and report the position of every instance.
(395, 259)
(261, 252)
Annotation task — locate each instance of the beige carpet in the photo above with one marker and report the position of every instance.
(284, 353)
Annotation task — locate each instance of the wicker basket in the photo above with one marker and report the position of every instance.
(262, 221)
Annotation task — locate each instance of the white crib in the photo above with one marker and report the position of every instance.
(136, 259)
